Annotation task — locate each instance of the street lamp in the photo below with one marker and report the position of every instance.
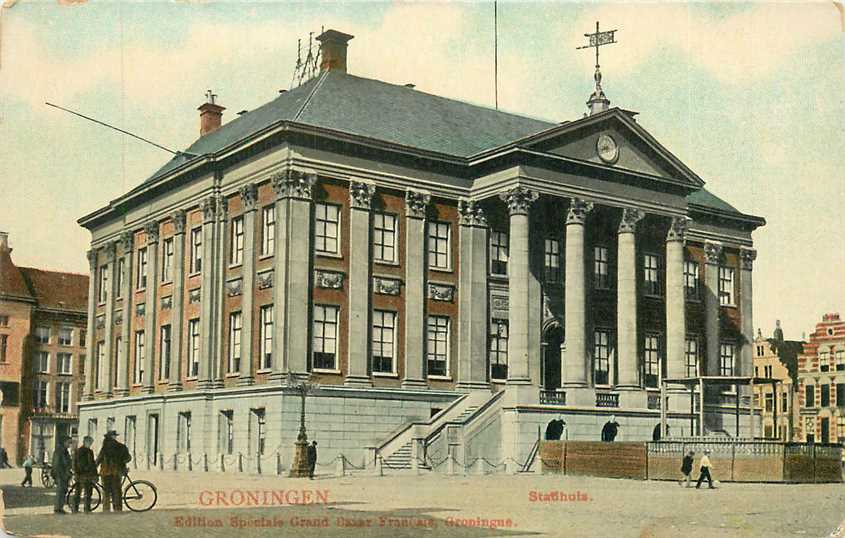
(300, 468)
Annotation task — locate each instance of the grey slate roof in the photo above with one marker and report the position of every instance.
(378, 110)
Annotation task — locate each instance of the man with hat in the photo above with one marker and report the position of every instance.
(86, 474)
(62, 471)
(112, 460)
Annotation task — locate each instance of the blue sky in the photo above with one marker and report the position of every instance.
(749, 95)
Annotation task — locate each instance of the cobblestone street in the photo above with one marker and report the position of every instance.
(434, 505)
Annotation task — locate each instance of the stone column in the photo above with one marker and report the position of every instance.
(360, 197)
(91, 344)
(472, 298)
(221, 258)
(676, 329)
(249, 197)
(519, 200)
(626, 301)
(205, 373)
(416, 204)
(176, 311)
(126, 241)
(280, 260)
(108, 367)
(713, 256)
(746, 295)
(576, 368)
(151, 308)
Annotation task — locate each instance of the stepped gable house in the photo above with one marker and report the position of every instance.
(421, 259)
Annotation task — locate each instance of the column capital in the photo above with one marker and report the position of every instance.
(249, 196)
(747, 255)
(92, 258)
(578, 210)
(713, 252)
(109, 250)
(677, 229)
(519, 199)
(630, 217)
(178, 218)
(471, 213)
(209, 207)
(294, 184)
(416, 203)
(151, 229)
(361, 195)
(222, 206)
(127, 239)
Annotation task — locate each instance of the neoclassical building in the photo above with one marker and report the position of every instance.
(429, 265)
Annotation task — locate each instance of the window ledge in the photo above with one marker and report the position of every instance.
(335, 255)
(386, 262)
(195, 273)
(497, 275)
(440, 377)
(499, 381)
(727, 306)
(264, 371)
(263, 257)
(325, 371)
(191, 378)
(233, 374)
(234, 265)
(386, 374)
(441, 269)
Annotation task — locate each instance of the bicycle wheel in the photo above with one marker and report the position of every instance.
(96, 496)
(140, 495)
(46, 479)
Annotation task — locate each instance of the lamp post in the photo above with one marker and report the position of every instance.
(299, 468)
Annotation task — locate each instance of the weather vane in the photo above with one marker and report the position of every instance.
(598, 101)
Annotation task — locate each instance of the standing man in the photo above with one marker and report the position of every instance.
(27, 467)
(4, 459)
(112, 460)
(86, 473)
(312, 458)
(62, 471)
(686, 467)
(705, 471)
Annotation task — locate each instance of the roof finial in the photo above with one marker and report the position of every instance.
(598, 101)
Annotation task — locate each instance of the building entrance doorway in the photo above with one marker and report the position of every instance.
(552, 355)
(152, 439)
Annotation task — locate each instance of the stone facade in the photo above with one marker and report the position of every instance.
(821, 383)
(778, 407)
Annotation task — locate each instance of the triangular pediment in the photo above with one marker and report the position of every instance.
(614, 139)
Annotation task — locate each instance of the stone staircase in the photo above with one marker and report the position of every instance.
(401, 459)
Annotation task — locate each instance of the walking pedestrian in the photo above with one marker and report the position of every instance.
(86, 474)
(312, 458)
(4, 459)
(705, 470)
(686, 468)
(112, 460)
(28, 462)
(61, 471)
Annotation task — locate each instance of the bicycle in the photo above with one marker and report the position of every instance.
(46, 476)
(138, 495)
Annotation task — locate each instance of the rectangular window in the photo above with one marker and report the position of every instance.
(164, 353)
(226, 443)
(651, 274)
(769, 399)
(196, 251)
(102, 283)
(236, 252)
(601, 357)
(726, 359)
(438, 346)
(42, 335)
(825, 395)
(726, 286)
(119, 278)
(258, 431)
(65, 336)
(691, 355)
(439, 250)
(384, 339)
(4, 320)
(141, 281)
(651, 360)
(62, 398)
(692, 281)
(193, 347)
(266, 359)
(183, 432)
(167, 260)
(138, 376)
(82, 337)
(235, 327)
(118, 359)
(39, 395)
(4, 344)
(784, 402)
(497, 349)
(601, 268)
(325, 337)
(809, 396)
(100, 365)
(42, 362)
(499, 253)
(129, 432)
(768, 371)
(840, 361)
(551, 260)
(327, 228)
(385, 233)
(840, 395)
(268, 230)
(63, 363)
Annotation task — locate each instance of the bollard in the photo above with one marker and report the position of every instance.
(147, 457)
(240, 462)
(176, 461)
(160, 461)
(258, 462)
(190, 462)
(340, 466)
(278, 464)
(222, 463)
(378, 469)
(479, 466)
(205, 462)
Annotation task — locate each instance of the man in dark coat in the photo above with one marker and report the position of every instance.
(112, 460)
(312, 458)
(611, 428)
(86, 473)
(686, 467)
(62, 471)
(4, 459)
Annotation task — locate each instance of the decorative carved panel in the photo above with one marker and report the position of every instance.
(140, 309)
(328, 279)
(167, 302)
(234, 287)
(441, 292)
(194, 296)
(386, 286)
(265, 279)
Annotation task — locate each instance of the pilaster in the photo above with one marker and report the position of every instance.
(176, 312)
(126, 241)
(108, 367)
(222, 259)
(151, 230)
(360, 197)
(416, 205)
(249, 197)
(91, 344)
(746, 259)
(209, 232)
(472, 298)
(713, 258)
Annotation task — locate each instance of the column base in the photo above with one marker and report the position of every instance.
(470, 386)
(632, 397)
(174, 387)
(520, 392)
(148, 389)
(205, 384)
(299, 468)
(357, 381)
(580, 395)
(118, 393)
(217, 384)
(409, 383)
(88, 398)
(245, 381)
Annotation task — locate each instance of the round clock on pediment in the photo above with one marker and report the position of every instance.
(607, 149)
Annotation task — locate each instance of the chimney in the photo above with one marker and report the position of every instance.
(211, 114)
(4, 241)
(333, 50)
